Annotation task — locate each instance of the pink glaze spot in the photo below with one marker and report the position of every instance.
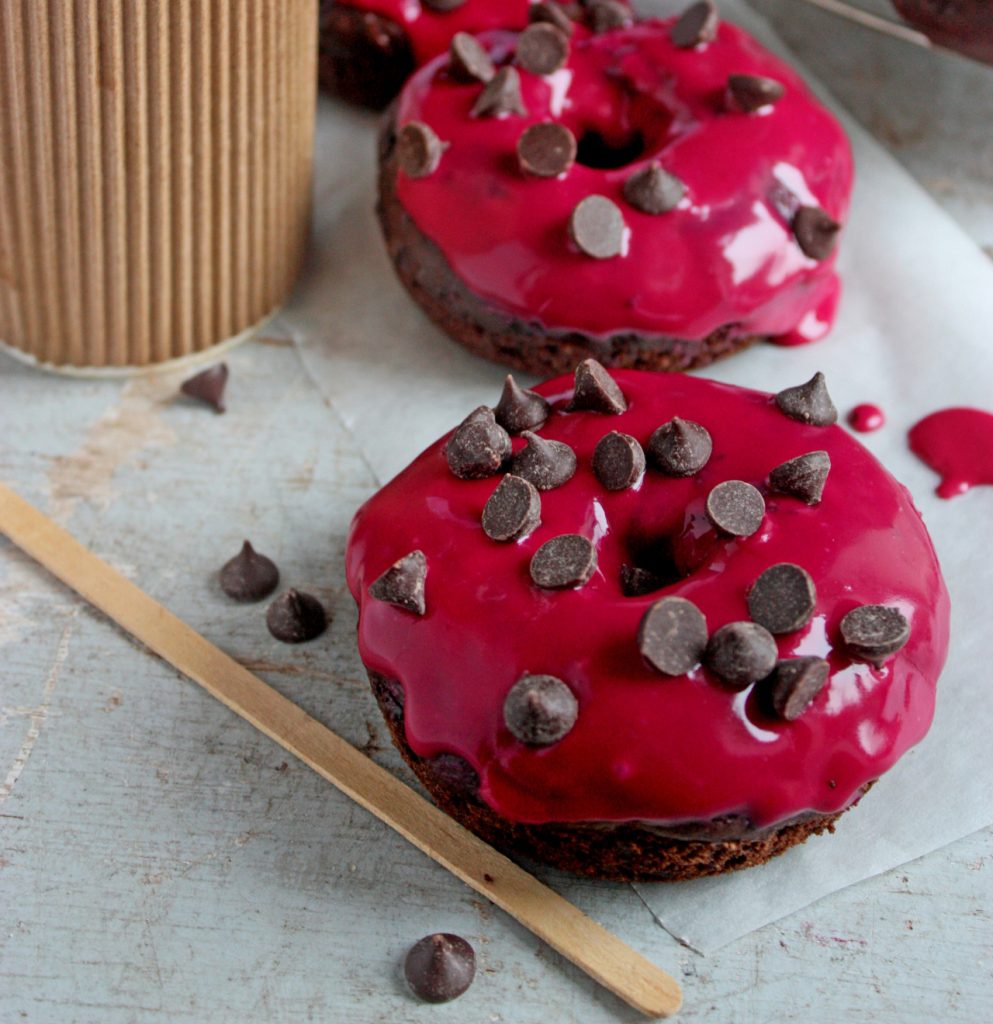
(866, 418)
(958, 445)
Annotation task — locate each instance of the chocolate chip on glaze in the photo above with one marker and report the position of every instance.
(874, 631)
(440, 967)
(513, 509)
(696, 25)
(501, 96)
(809, 403)
(520, 409)
(552, 14)
(749, 93)
(443, 6)
(680, 447)
(249, 576)
(468, 61)
(803, 477)
(419, 150)
(607, 15)
(542, 48)
(546, 150)
(597, 227)
(540, 710)
(546, 464)
(208, 386)
(566, 561)
(596, 391)
(783, 598)
(479, 447)
(295, 618)
(794, 683)
(741, 653)
(403, 583)
(672, 636)
(618, 461)
(636, 582)
(736, 508)
(816, 232)
(653, 190)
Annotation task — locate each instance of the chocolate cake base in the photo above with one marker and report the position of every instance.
(963, 25)
(625, 852)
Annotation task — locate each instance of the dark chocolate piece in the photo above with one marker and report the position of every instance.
(654, 190)
(443, 6)
(672, 636)
(542, 48)
(596, 391)
(736, 508)
(741, 653)
(803, 477)
(249, 576)
(479, 446)
(547, 149)
(607, 15)
(208, 386)
(552, 14)
(403, 583)
(809, 403)
(794, 683)
(566, 561)
(295, 617)
(636, 582)
(440, 967)
(419, 150)
(597, 227)
(680, 447)
(468, 61)
(874, 632)
(696, 25)
(816, 232)
(501, 95)
(513, 509)
(783, 598)
(540, 710)
(546, 464)
(618, 461)
(519, 409)
(749, 93)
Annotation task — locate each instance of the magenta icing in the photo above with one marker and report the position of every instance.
(647, 746)
(958, 445)
(866, 418)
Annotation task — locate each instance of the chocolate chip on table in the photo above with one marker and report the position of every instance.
(479, 446)
(553, 14)
(443, 6)
(296, 617)
(874, 631)
(618, 461)
(809, 403)
(696, 25)
(654, 190)
(749, 93)
(566, 561)
(513, 509)
(468, 60)
(596, 391)
(672, 636)
(542, 48)
(208, 386)
(736, 508)
(547, 149)
(501, 95)
(607, 15)
(680, 447)
(783, 598)
(419, 150)
(741, 653)
(249, 576)
(540, 710)
(546, 464)
(597, 227)
(440, 967)
(803, 477)
(816, 232)
(636, 582)
(402, 584)
(520, 409)
(794, 683)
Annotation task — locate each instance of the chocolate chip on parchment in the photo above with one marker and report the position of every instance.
(618, 461)
(546, 464)
(696, 25)
(672, 636)
(566, 561)
(249, 576)
(680, 447)
(513, 509)
(596, 391)
(419, 150)
(749, 93)
(803, 477)
(540, 710)
(208, 386)
(546, 150)
(403, 583)
(809, 403)
(816, 232)
(607, 15)
(296, 617)
(501, 95)
(653, 190)
(479, 446)
(736, 508)
(440, 967)
(520, 409)
(468, 60)
(782, 598)
(443, 6)
(542, 48)
(553, 14)
(741, 653)
(794, 683)
(636, 582)
(597, 227)
(874, 632)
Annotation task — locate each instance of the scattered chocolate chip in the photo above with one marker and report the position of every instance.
(565, 561)
(468, 60)
(440, 967)
(736, 508)
(478, 447)
(636, 582)
(540, 710)
(249, 576)
(653, 190)
(741, 653)
(794, 683)
(553, 14)
(419, 150)
(680, 447)
(295, 617)
(596, 391)
(748, 93)
(874, 632)
(208, 386)
(809, 403)
(546, 464)
(597, 227)
(519, 409)
(696, 25)
(816, 232)
(618, 461)
(783, 598)
(542, 48)
(672, 636)
(403, 583)
(803, 477)
(607, 15)
(546, 149)
(501, 95)
(443, 5)
(513, 509)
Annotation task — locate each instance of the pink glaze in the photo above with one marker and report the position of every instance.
(866, 418)
(726, 255)
(958, 445)
(647, 746)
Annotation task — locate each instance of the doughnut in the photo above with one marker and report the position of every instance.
(687, 632)
(655, 196)
(963, 25)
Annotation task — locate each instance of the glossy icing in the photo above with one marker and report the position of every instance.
(866, 418)
(958, 445)
(725, 255)
(647, 746)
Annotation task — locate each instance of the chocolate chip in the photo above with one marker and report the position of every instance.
(596, 391)
(816, 232)
(513, 509)
(403, 583)
(794, 683)
(598, 229)
(566, 561)
(618, 461)
(672, 636)
(443, 6)
(478, 447)
(696, 25)
(519, 409)
(540, 710)
(680, 447)
(501, 95)
(249, 576)
(803, 477)
(653, 190)
(440, 967)
(809, 403)
(542, 48)
(468, 61)
(749, 93)
(741, 653)
(607, 15)
(736, 508)
(208, 386)
(636, 582)
(874, 632)
(546, 150)
(553, 14)
(783, 598)
(546, 464)
(295, 617)
(419, 150)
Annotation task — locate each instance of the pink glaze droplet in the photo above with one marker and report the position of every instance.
(866, 417)
(958, 445)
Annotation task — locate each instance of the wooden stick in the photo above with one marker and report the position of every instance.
(878, 24)
(555, 920)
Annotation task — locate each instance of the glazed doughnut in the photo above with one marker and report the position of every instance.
(687, 633)
(963, 25)
(645, 196)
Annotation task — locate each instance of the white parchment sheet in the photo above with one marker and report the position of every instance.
(915, 334)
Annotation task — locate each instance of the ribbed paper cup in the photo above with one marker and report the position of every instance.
(155, 173)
